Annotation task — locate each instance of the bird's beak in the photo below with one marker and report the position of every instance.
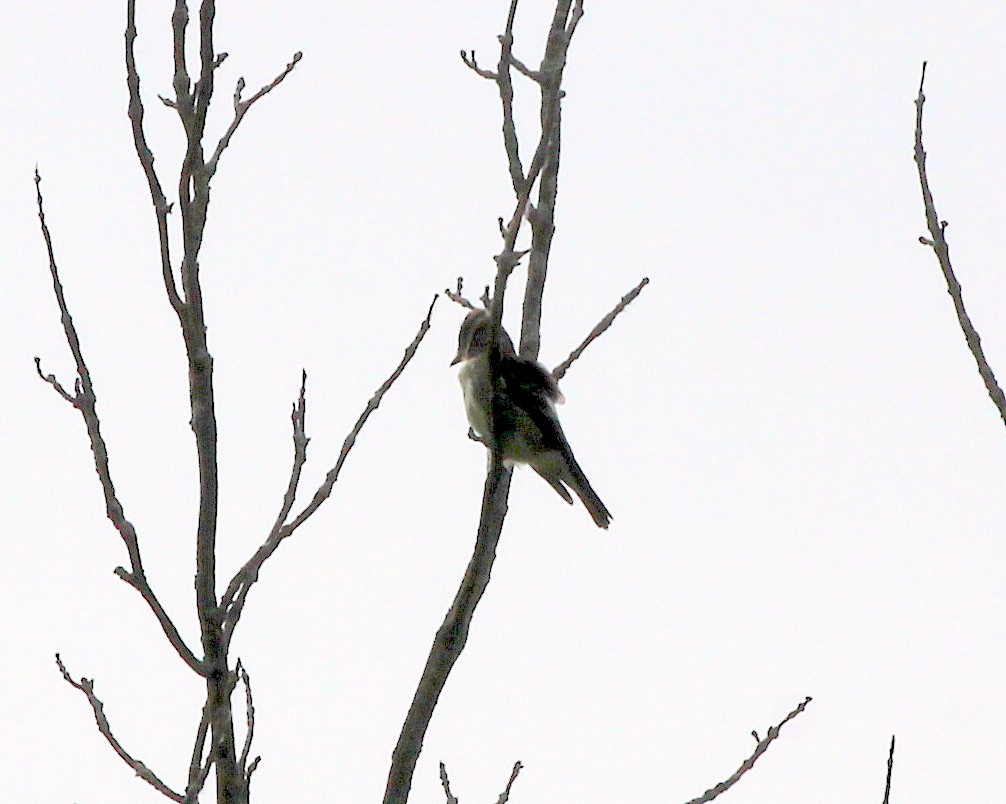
(457, 359)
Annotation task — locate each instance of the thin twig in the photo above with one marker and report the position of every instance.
(890, 770)
(242, 106)
(748, 763)
(474, 66)
(505, 85)
(234, 598)
(505, 795)
(559, 371)
(249, 721)
(457, 297)
(86, 401)
(199, 769)
(938, 243)
(146, 156)
(446, 783)
(86, 686)
(298, 421)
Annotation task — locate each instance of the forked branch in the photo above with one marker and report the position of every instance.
(86, 686)
(85, 400)
(452, 636)
(233, 602)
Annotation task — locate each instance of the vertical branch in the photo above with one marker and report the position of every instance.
(890, 772)
(453, 633)
(542, 217)
(938, 243)
(505, 84)
(146, 156)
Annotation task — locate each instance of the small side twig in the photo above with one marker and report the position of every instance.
(233, 601)
(457, 296)
(249, 723)
(938, 243)
(86, 686)
(890, 770)
(446, 783)
(748, 763)
(559, 371)
(242, 106)
(199, 769)
(505, 795)
(473, 65)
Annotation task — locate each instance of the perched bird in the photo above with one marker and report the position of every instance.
(527, 427)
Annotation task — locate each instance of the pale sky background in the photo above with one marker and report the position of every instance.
(805, 472)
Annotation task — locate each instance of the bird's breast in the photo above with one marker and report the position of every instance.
(474, 378)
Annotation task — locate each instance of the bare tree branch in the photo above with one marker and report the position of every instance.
(473, 65)
(249, 723)
(938, 243)
(242, 106)
(457, 296)
(199, 769)
(452, 635)
(542, 217)
(146, 156)
(505, 85)
(748, 763)
(86, 686)
(505, 795)
(85, 400)
(890, 771)
(450, 639)
(446, 783)
(234, 598)
(559, 371)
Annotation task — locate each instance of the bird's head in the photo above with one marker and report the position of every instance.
(473, 339)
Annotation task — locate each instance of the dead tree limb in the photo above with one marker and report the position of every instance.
(450, 639)
(938, 243)
(748, 763)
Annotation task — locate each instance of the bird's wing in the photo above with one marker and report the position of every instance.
(533, 390)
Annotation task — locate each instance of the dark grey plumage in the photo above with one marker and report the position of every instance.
(527, 427)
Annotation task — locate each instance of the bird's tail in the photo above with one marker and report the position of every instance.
(587, 495)
(560, 470)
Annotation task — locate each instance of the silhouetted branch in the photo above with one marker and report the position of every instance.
(559, 371)
(199, 769)
(86, 686)
(890, 771)
(161, 206)
(938, 243)
(85, 400)
(505, 795)
(242, 106)
(473, 65)
(249, 723)
(233, 601)
(748, 763)
(450, 639)
(446, 783)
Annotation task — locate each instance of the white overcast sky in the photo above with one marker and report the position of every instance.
(805, 472)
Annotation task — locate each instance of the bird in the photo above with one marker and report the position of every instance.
(526, 424)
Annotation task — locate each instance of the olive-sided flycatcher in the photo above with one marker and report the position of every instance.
(527, 427)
